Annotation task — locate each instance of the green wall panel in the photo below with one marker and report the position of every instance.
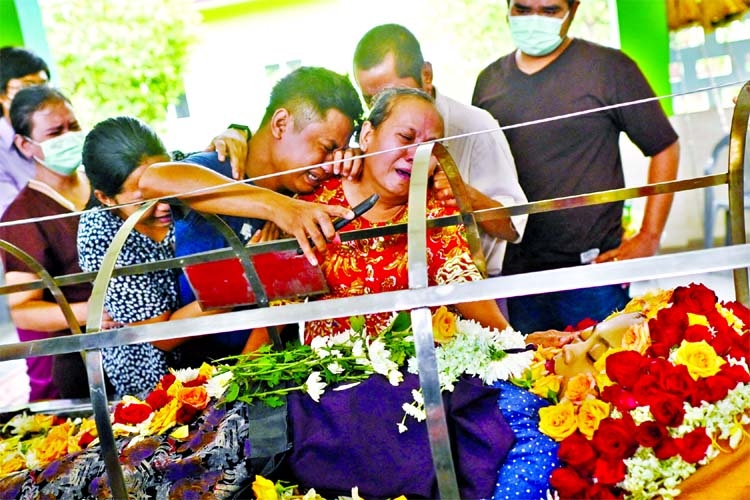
(644, 36)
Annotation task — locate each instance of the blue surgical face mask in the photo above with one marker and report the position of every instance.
(62, 154)
(536, 35)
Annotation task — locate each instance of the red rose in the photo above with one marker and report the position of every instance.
(623, 367)
(649, 434)
(677, 381)
(609, 471)
(695, 298)
(576, 451)
(659, 349)
(667, 410)
(696, 333)
(656, 367)
(185, 414)
(620, 398)
(646, 388)
(167, 381)
(667, 448)
(718, 386)
(739, 345)
(568, 482)
(615, 438)
(131, 413)
(86, 439)
(739, 310)
(701, 392)
(601, 492)
(158, 398)
(693, 445)
(669, 326)
(735, 372)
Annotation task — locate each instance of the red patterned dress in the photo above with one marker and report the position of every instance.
(379, 264)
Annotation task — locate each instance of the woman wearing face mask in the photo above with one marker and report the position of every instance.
(48, 132)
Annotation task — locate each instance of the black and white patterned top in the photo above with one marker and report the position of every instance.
(138, 367)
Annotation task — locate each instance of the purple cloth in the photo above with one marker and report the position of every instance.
(39, 369)
(351, 439)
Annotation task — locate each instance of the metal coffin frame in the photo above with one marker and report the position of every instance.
(418, 298)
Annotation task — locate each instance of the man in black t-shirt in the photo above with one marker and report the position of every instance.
(551, 74)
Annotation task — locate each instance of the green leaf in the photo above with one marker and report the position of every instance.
(357, 323)
(232, 392)
(402, 322)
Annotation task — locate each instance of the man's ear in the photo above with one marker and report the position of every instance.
(281, 121)
(427, 85)
(365, 136)
(25, 146)
(566, 25)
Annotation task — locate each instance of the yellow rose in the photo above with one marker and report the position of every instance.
(697, 319)
(264, 489)
(443, 325)
(579, 387)
(600, 368)
(637, 338)
(590, 413)
(543, 386)
(732, 320)
(559, 421)
(700, 359)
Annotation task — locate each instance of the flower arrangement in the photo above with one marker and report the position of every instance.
(37, 440)
(668, 400)
(464, 348)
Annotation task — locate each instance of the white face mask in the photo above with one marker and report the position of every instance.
(62, 154)
(536, 35)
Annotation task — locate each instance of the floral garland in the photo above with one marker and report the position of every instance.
(669, 400)
(37, 440)
(464, 348)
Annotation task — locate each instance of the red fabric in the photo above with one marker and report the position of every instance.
(376, 265)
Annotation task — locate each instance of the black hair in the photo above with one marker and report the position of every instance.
(385, 39)
(384, 101)
(317, 90)
(29, 100)
(116, 147)
(17, 62)
(570, 3)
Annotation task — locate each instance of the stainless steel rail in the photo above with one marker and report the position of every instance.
(418, 297)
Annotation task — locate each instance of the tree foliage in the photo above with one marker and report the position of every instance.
(121, 57)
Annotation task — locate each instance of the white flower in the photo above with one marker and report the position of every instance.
(402, 428)
(380, 358)
(185, 375)
(335, 368)
(217, 385)
(314, 386)
(395, 377)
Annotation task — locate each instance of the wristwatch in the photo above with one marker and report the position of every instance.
(243, 128)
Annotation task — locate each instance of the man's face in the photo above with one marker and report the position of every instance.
(548, 8)
(314, 143)
(15, 85)
(381, 76)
